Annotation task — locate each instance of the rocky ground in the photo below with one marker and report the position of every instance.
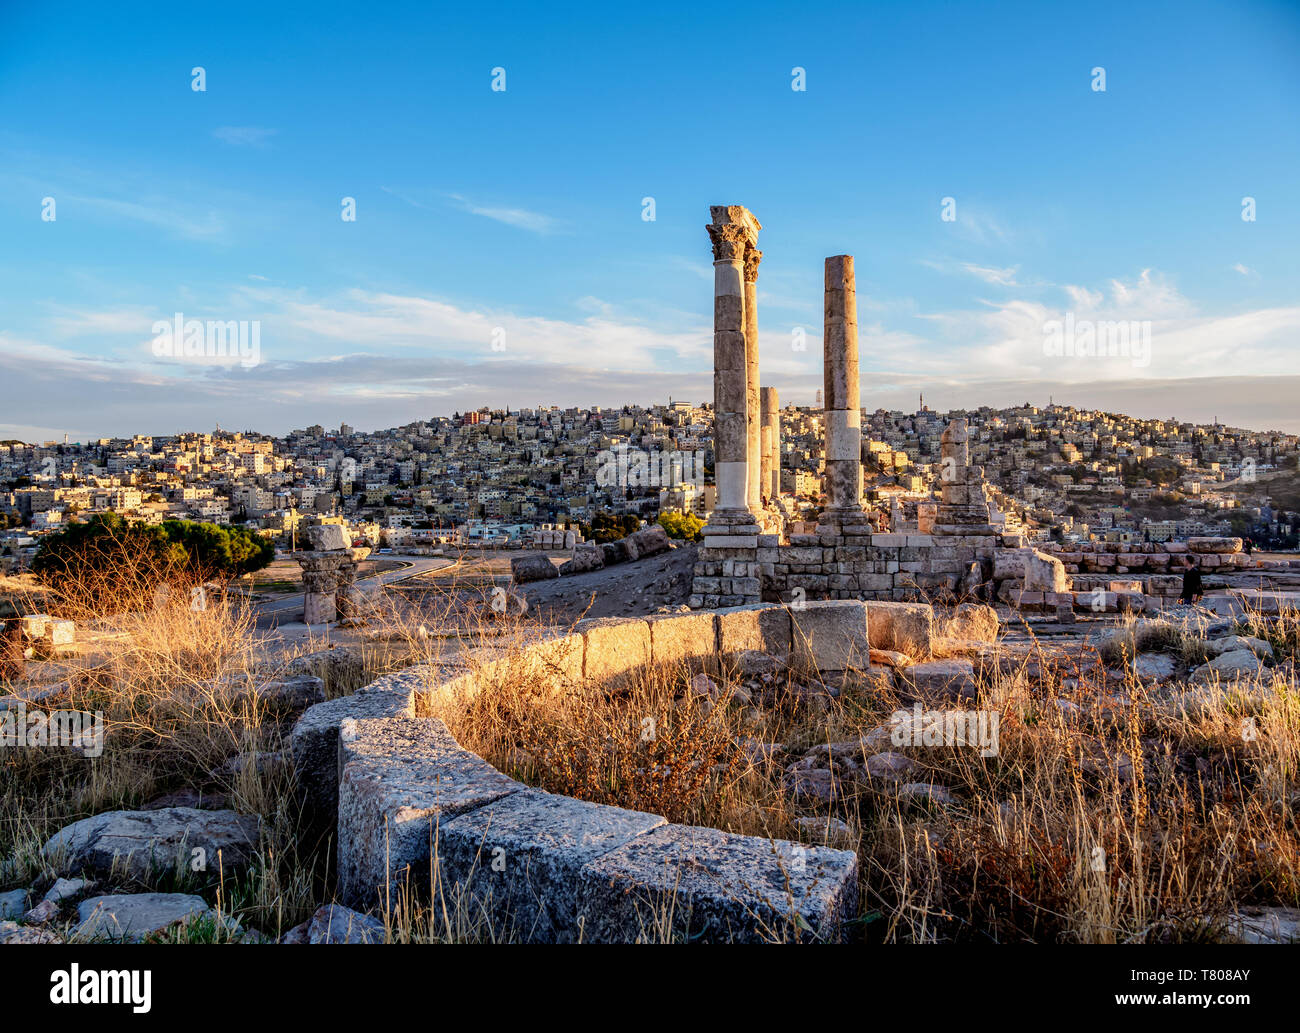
(629, 589)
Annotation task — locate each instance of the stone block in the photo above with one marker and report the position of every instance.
(328, 537)
(764, 627)
(534, 566)
(700, 885)
(904, 627)
(676, 637)
(400, 779)
(519, 860)
(613, 646)
(831, 635)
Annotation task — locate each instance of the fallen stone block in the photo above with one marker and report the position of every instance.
(903, 627)
(519, 858)
(532, 567)
(133, 917)
(700, 885)
(145, 844)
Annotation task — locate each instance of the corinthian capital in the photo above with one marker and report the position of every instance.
(729, 242)
(752, 257)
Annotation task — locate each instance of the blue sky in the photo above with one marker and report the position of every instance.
(522, 209)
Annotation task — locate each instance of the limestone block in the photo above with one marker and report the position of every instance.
(715, 887)
(519, 860)
(831, 635)
(1213, 545)
(400, 778)
(904, 627)
(532, 567)
(937, 680)
(764, 627)
(314, 742)
(679, 637)
(327, 537)
(613, 646)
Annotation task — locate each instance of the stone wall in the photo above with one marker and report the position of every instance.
(406, 798)
(903, 566)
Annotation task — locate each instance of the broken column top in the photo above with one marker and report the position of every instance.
(735, 214)
(839, 273)
(955, 433)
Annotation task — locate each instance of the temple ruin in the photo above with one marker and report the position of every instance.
(747, 555)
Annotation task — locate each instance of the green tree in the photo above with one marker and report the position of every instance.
(685, 526)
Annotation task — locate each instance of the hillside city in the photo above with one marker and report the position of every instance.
(496, 476)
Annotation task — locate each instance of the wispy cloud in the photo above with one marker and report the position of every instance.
(1001, 277)
(165, 214)
(1245, 270)
(534, 222)
(244, 136)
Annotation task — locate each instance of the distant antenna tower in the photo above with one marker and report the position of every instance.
(819, 399)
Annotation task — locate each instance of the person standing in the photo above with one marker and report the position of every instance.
(1192, 587)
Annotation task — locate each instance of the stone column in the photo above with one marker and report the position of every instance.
(753, 421)
(727, 572)
(732, 231)
(771, 465)
(321, 573)
(843, 415)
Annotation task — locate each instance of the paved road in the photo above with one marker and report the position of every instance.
(289, 607)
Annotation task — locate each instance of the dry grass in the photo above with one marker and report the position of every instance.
(1132, 818)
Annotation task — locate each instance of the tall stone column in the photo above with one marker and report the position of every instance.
(732, 232)
(771, 466)
(753, 420)
(843, 414)
(727, 571)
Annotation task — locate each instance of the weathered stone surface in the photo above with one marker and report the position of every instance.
(1153, 666)
(1237, 663)
(761, 627)
(1207, 545)
(650, 541)
(701, 885)
(1265, 925)
(831, 634)
(613, 647)
(892, 767)
(143, 843)
(1044, 573)
(588, 556)
(67, 889)
(293, 692)
(327, 537)
(519, 858)
(13, 933)
(1258, 646)
(314, 743)
(903, 627)
(942, 679)
(678, 637)
(533, 566)
(971, 621)
(13, 904)
(399, 779)
(136, 916)
(334, 923)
